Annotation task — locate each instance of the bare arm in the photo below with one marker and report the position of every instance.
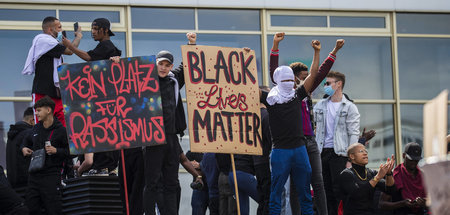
(387, 204)
(87, 163)
(75, 42)
(309, 81)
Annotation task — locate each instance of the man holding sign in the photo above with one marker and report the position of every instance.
(289, 155)
(163, 160)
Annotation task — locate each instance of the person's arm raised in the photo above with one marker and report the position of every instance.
(273, 61)
(309, 81)
(76, 41)
(80, 53)
(325, 67)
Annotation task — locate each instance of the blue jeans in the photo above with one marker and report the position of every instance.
(246, 187)
(294, 162)
(199, 201)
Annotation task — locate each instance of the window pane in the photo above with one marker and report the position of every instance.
(25, 15)
(88, 16)
(423, 67)
(357, 22)
(412, 123)
(164, 18)
(380, 118)
(420, 23)
(298, 21)
(228, 20)
(17, 44)
(87, 43)
(152, 43)
(368, 75)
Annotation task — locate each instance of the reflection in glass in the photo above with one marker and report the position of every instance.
(423, 67)
(15, 46)
(25, 15)
(422, 23)
(378, 117)
(163, 18)
(366, 62)
(412, 123)
(87, 43)
(152, 43)
(209, 19)
(88, 16)
(357, 22)
(298, 21)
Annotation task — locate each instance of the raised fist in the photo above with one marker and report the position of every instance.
(316, 45)
(192, 37)
(279, 36)
(340, 43)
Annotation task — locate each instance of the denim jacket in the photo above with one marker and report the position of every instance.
(346, 125)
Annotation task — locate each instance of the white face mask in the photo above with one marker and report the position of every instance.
(286, 86)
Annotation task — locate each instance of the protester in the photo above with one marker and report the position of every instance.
(246, 181)
(43, 60)
(10, 202)
(358, 183)
(17, 164)
(164, 159)
(410, 196)
(200, 198)
(227, 203)
(262, 163)
(337, 127)
(44, 185)
(104, 163)
(105, 49)
(211, 172)
(289, 156)
(307, 122)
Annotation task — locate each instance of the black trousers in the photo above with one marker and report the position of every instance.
(162, 160)
(44, 191)
(10, 202)
(332, 166)
(134, 170)
(262, 172)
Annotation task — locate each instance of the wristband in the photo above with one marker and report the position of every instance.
(200, 177)
(389, 174)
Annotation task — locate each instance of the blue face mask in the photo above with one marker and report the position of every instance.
(329, 91)
(59, 37)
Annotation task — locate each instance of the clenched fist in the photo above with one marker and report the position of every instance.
(316, 45)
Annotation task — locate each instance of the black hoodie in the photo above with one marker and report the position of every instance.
(17, 164)
(36, 140)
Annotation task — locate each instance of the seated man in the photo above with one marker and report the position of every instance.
(410, 195)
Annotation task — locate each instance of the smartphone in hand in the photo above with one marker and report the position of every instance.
(75, 27)
(64, 34)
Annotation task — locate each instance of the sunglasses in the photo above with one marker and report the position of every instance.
(329, 83)
(363, 151)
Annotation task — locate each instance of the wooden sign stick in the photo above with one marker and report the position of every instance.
(235, 185)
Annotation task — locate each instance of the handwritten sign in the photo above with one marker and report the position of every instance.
(110, 106)
(437, 181)
(435, 126)
(223, 100)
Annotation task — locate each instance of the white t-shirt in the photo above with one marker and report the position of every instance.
(332, 108)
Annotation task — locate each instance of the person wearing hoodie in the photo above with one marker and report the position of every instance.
(44, 185)
(16, 163)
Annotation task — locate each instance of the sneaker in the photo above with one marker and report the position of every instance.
(114, 172)
(94, 172)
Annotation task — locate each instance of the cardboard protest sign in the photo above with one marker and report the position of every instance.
(435, 126)
(223, 100)
(110, 106)
(437, 181)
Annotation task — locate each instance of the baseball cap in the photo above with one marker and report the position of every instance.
(413, 151)
(164, 55)
(103, 23)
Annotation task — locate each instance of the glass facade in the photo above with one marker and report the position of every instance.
(372, 58)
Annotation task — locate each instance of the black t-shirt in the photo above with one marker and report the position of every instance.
(286, 121)
(104, 50)
(43, 76)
